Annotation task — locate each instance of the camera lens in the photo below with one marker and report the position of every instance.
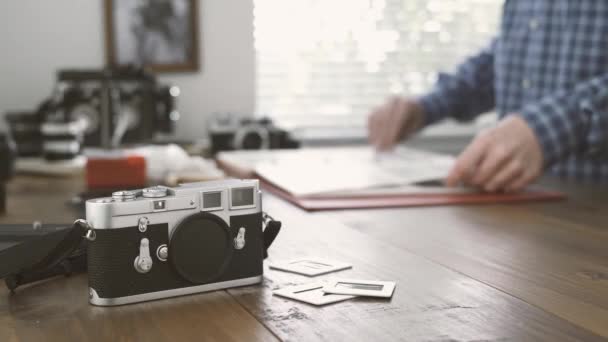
(252, 141)
(201, 248)
(251, 137)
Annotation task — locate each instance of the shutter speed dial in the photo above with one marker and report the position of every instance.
(154, 192)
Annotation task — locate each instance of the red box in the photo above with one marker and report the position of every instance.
(116, 172)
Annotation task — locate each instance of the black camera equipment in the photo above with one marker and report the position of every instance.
(194, 238)
(62, 140)
(7, 160)
(97, 108)
(117, 105)
(31, 253)
(229, 132)
(26, 133)
(163, 242)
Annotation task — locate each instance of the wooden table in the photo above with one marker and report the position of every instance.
(519, 272)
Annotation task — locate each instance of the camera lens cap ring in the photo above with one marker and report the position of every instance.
(201, 248)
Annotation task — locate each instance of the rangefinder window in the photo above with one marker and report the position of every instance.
(212, 200)
(241, 197)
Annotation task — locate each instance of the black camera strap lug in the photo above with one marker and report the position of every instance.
(272, 228)
(89, 232)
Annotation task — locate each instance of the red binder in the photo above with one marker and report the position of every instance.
(410, 200)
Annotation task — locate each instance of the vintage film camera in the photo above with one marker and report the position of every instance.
(163, 242)
(228, 132)
(96, 108)
(117, 105)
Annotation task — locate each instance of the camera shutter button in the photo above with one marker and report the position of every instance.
(143, 262)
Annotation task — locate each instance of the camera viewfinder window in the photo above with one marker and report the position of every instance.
(212, 200)
(242, 197)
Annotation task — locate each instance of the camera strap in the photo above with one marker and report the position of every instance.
(60, 252)
(272, 228)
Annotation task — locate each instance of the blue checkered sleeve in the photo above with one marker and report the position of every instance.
(571, 122)
(464, 94)
(549, 64)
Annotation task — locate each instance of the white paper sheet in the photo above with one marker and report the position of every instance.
(325, 171)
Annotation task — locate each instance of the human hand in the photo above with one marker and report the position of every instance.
(393, 121)
(507, 157)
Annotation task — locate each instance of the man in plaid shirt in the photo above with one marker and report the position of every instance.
(546, 74)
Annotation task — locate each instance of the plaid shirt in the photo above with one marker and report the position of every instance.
(550, 65)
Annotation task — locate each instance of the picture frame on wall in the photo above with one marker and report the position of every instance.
(161, 35)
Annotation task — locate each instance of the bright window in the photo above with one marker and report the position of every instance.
(333, 60)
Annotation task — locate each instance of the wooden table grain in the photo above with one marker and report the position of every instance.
(432, 302)
(530, 272)
(58, 310)
(553, 256)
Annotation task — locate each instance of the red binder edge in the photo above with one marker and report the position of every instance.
(414, 200)
(392, 201)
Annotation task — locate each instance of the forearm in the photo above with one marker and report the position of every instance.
(573, 121)
(464, 94)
